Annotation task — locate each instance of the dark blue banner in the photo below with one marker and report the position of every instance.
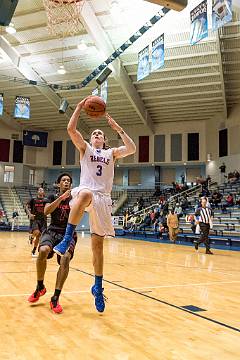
(35, 138)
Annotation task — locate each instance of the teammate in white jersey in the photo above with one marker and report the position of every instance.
(93, 193)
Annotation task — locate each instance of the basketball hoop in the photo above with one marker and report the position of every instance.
(64, 16)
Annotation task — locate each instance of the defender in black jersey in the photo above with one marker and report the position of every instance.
(58, 207)
(38, 220)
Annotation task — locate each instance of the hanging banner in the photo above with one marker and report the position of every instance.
(104, 91)
(1, 104)
(22, 107)
(199, 23)
(158, 53)
(35, 138)
(143, 64)
(221, 13)
(95, 91)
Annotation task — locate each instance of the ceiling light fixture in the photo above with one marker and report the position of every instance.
(114, 7)
(82, 46)
(61, 70)
(10, 29)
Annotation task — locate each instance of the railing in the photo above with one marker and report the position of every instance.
(16, 206)
(172, 199)
(121, 200)
(194, 189)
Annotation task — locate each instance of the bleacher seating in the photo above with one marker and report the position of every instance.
(226, 229)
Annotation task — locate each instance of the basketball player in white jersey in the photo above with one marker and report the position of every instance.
(93, 193)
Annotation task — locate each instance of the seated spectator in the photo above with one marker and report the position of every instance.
(161, 219)
(146, 222)
(134, 221)
(136, 207)
(178, 210)
(184, 203)
(216, 198)
(140, 203)
(161, 230)
(230, 200)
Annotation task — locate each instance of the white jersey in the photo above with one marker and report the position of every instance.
(97, 170)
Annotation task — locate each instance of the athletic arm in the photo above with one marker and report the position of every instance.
(74, 134)
(129, 147)
(50, 207)
(28, 208)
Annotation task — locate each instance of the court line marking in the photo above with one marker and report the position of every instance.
(126, 289)
(164, 302)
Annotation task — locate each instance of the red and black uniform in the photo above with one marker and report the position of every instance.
(37, 208)
(54, 234)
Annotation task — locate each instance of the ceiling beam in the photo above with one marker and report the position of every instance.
(177, 78)
(193, 101)
(214, 83)
(220, 57)
(179, 68)
(95, 30)
(25, 69)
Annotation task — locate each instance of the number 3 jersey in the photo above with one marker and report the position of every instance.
(97, 169)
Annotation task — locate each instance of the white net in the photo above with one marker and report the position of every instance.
(64, 16)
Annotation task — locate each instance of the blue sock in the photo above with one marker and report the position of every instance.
(69, 232)
(98, 281)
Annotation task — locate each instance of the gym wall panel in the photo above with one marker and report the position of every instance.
(128, 159)
(118, 177)
(168, 175)
(18, 151)
(70, 153)
(176, 147)
(143, 155)
(4, 150)
(223, 142)
(31, 155)
(134, 177)
(193, 147)
(159, 148)
(234, 136)
(57, 153)
(192, 174)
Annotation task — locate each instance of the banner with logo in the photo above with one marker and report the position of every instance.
(104, 91)
(35, 138)
(221, 13)
(199, 23)
(95, 91)
(143, 64)
(22, 107)
(158, 53)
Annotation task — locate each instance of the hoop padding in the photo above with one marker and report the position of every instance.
(64, 16)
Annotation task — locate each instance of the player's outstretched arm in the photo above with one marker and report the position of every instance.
(74, 134)
(129, 146)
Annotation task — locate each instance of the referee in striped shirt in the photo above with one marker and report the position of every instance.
(204, 219)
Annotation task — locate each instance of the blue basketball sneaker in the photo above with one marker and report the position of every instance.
(62, 247)
(100, 298)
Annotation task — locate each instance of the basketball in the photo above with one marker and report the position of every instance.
(94, 107)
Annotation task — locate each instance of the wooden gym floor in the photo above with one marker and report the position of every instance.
(147, 286)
